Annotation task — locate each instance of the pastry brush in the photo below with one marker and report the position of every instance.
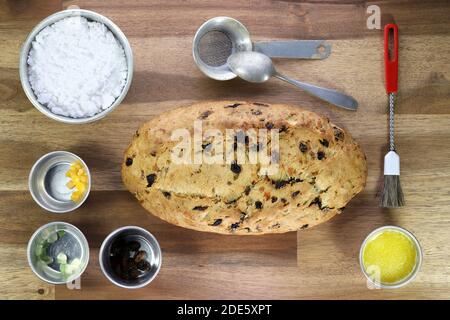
(392, 196)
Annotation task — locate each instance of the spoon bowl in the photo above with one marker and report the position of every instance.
(252, 66)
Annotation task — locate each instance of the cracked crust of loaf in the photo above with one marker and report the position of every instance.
(321, 169)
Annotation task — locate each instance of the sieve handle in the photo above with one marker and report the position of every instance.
(294, 49)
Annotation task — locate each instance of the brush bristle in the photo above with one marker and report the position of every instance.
(392, 192)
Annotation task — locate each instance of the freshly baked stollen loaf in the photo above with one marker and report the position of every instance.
(315, 171)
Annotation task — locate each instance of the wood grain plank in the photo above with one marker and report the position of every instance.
(340, 242)
(319, 263)
(17, 279)
(422, 89)
(17, 224)
(24, 15)
(414, 136)
(300, 19)
(191, 250)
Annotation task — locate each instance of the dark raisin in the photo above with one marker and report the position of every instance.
(258, 205)
(205, 114)
(320, 155)
(151, 179)
(274, 199)
(229, 203)
(140, 255)
(283, 200)
(200, 208)
(166, 194)
(304, 226)
(283, 129)
(233, 105)
(256, 112)
(235, 167)
(338, 134)
(129, 162)
(276, 226)
(303, 147)
(217, 222)
(247, 190)
(280, 184)
(234, 226)
(324, 142)
(295, 193)
(269, 125)
(316, 201)
(143, 265)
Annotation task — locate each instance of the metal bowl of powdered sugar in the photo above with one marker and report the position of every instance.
(76, 66)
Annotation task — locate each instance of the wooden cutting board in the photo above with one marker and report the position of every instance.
(317, 263)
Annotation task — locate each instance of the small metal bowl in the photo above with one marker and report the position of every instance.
(90, 15)
(151, 247)
(235, 31)
(410, 277)
(47, 273)
(47, 182)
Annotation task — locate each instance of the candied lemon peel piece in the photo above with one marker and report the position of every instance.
(78, 180)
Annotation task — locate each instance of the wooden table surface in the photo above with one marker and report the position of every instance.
(317, 263)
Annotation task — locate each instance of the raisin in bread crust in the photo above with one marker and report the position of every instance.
(321, 169)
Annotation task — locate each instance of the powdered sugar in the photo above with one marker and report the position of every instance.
(76, 67)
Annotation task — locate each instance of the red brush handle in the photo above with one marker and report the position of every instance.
(391, 58)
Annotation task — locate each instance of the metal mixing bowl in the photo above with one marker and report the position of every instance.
(47, 182)
(90, 15)
(49, 274)
(151, 247)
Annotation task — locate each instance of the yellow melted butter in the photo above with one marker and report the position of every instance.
(393, 253)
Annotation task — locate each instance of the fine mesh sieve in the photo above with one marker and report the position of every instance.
(215, 41)
(220, 37)
(214, 48)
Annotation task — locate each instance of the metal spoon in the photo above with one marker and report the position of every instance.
(257, 67)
